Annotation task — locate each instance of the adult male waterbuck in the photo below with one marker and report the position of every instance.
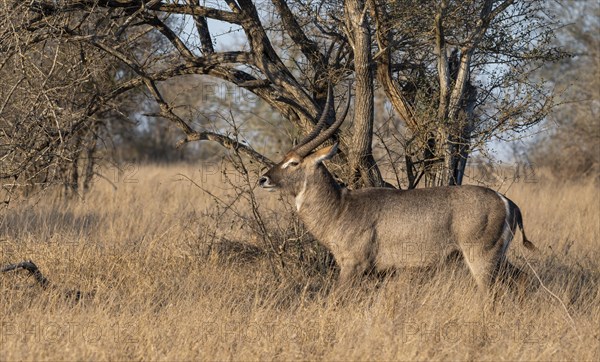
(384, 228)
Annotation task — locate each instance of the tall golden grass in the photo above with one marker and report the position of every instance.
(176, 275)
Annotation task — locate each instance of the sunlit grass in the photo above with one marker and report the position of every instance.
(173, 280)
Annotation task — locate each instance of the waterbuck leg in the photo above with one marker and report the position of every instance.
(346, 279)
(483, 266)
(349, 273)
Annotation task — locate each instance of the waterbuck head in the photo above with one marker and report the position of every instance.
(299, 166)
(294, 172)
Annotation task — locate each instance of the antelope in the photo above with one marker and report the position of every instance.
(381, 229)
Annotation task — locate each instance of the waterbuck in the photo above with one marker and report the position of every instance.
(382, 228)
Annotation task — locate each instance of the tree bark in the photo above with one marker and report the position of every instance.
(363, 168)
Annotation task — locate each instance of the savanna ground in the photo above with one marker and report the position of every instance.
(176, 275)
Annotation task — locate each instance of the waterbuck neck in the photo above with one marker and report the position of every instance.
(319, 200)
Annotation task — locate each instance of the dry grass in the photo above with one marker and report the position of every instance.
(175, 280)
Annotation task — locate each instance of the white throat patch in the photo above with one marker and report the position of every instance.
(300, 196)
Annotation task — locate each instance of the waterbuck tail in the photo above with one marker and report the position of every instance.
(519, 218)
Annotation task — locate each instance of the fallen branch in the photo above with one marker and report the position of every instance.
(43, 281)
(32, 269)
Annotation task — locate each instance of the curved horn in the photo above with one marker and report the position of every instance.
(322, 120)
(304, 149)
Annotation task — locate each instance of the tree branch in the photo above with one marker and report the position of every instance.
(442, 61)
(308, 47)
(384, 71)
(227, 143)
(48, 7)
(156, 23)
(267, 59)
(203, 32)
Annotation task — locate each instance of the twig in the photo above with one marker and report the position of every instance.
(570, 319)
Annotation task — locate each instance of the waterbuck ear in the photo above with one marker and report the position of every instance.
(325, 153)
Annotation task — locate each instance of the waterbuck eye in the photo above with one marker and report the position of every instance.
(289, 163)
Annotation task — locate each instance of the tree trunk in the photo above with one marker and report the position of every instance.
(463, 149)
(363, 168)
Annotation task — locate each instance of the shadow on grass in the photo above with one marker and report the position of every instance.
(45, 222)
(310, 274)
(571, 279)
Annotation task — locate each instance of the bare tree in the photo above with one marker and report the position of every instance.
(455, 72)
(50, 119)
(571, 147)
(462, 76)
